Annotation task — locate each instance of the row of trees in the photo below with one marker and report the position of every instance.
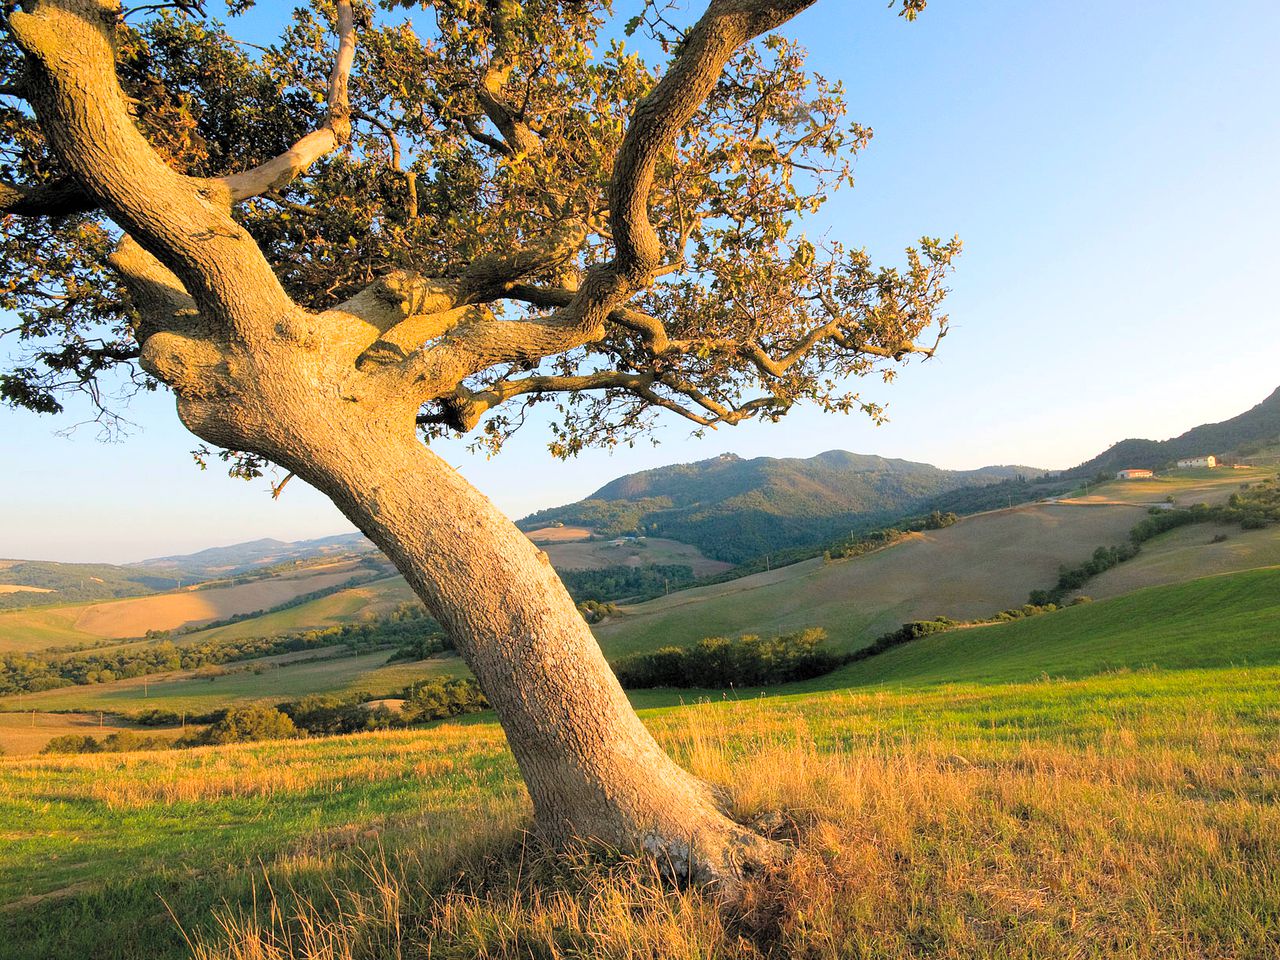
(718, 662)
(434, 698)
(622, 582)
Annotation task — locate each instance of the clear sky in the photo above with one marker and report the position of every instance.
(1111, 168)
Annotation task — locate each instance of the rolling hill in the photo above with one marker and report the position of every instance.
(1211, 622)
(1258, 426)
(1092, 801)
(243, 557)
(25, 583)
(37, 628)
(28, 583)
(970, 570)
(734, 509)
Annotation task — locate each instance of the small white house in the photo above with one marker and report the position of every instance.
(1134, 474)
(1192, 462)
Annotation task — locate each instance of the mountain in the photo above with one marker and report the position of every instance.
(735, 509)
(242, 557)
(1256, 427)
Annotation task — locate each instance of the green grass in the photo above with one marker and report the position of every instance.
(345, 606)
(1185, 486)
(1187, 553)
(1232, 620)
(1116, 762)
(1103, 781)
(271, 679)
(38, 628)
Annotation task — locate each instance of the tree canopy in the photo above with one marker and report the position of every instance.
(541, 214)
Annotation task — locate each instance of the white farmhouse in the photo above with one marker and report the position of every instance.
(1191, 462)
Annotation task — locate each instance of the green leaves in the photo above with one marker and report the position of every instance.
(479, 131)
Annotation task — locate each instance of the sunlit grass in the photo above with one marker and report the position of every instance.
(1133, 814)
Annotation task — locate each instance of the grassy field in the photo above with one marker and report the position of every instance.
(36, 628)
(1187, 553)
(1228, 621)
(346, 606)
(1124, 815)
(598, 554)
(1187, 487)
(950, 801)
(269, 679)
(27, 733)
(969, 570)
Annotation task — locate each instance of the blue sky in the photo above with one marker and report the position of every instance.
(1110, 167)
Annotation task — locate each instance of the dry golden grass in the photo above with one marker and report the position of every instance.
(1149, 840)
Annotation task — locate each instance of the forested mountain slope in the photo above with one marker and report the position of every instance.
(735, 509)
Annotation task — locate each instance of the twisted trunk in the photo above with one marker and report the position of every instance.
(593, 771)
(333, 397)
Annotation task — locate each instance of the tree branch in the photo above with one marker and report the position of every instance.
(57, 198)
(655, 124)
(84, 113)
(332, 133)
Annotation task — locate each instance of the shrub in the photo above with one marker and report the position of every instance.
(715, 662)
(438, 698)
(329, 716)
(72, 743)
(243, 724)
(124, 741)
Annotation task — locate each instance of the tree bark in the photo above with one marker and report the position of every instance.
(255, 372)
(594, 773)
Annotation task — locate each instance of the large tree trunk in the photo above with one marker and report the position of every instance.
(593, 771)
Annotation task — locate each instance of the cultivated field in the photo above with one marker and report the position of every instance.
(1227, 621)
(969, 570)
(27, 733)
(1187, 553)
(568, 549)
(39, 627)
(559, 534)
(1187, 487)
(1126, 814)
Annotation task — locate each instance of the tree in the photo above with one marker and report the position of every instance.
(332, 251)
(242, 724)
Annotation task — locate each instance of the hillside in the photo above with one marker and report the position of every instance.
(1255, 428)
(1225, 621)
(1127, 812)
(969, 570)
(29, 583)
(25, 583)
(734, 509)
(41, 627)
